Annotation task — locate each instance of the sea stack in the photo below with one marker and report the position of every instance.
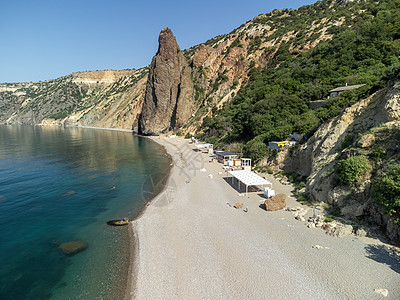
(168, 101)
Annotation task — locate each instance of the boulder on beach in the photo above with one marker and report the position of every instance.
(73, 247)
(238, 205)
(275, 203)
(341, 230)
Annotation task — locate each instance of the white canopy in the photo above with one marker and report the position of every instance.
(248, 178)
(199, 146)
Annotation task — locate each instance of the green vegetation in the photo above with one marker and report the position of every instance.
(350, 170)
(365, 49)
(379, 163)
(329, 219)
(386, 191)
(60, 115)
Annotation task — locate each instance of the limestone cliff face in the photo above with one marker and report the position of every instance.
(318, 157)
(168, 101)
(93, 98)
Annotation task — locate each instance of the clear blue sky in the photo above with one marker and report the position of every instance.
(46, 39)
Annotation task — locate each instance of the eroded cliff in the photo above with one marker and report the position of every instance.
(168, 101)
(370, 128)
(92, 98)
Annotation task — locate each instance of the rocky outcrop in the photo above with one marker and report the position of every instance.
(366, 141)
(93, 98)
(318, 157)
(168, 101)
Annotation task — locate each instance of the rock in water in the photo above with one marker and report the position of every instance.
(275, 203)
(73, 247)
(168, 101)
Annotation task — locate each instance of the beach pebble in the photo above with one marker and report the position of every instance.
(210, 175)
(311, 225)
(291, 209)
(327, 227)
(319, 247)
(383, 292)
(203, 170)
(300, 218)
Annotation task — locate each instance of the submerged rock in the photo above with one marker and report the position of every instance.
(73, 247)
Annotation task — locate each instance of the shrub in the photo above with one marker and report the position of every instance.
(329, 219)
(378, 153)
(255, 149)
(199, 136)
(349, 170)
(386, 192)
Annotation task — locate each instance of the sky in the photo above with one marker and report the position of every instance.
(47, 39)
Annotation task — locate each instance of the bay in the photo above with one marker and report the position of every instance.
(61, 184)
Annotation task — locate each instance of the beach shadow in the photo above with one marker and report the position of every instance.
(261, 195)
(384, 255)
(262, 206)
(228, 180)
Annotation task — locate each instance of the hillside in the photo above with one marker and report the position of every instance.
(360, 181)
(255, 85)
(218, 68)
(96, 98)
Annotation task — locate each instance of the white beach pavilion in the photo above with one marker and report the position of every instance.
(248, 178)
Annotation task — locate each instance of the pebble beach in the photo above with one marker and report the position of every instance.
(191, 244)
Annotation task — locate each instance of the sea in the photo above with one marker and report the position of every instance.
(63, 184)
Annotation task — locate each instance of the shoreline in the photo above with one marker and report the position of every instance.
(133, 236)
(193, 245)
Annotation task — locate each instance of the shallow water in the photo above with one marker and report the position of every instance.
(60, 184)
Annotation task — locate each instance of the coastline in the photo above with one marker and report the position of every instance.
(133, 235)
(133, 244)
(190, 244)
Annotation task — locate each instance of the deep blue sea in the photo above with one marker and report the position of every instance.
(61, 184)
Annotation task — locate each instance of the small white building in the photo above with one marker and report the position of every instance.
(208, 147)
(225, 156)
(246, 164)
(336, 92)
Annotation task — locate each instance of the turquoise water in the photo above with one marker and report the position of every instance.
(62, 184)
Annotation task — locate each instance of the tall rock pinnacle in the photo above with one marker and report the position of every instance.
(168, 101)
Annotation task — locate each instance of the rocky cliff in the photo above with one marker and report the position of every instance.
(94, 98)
(181, 88)
(168, 102)
(370, 128)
